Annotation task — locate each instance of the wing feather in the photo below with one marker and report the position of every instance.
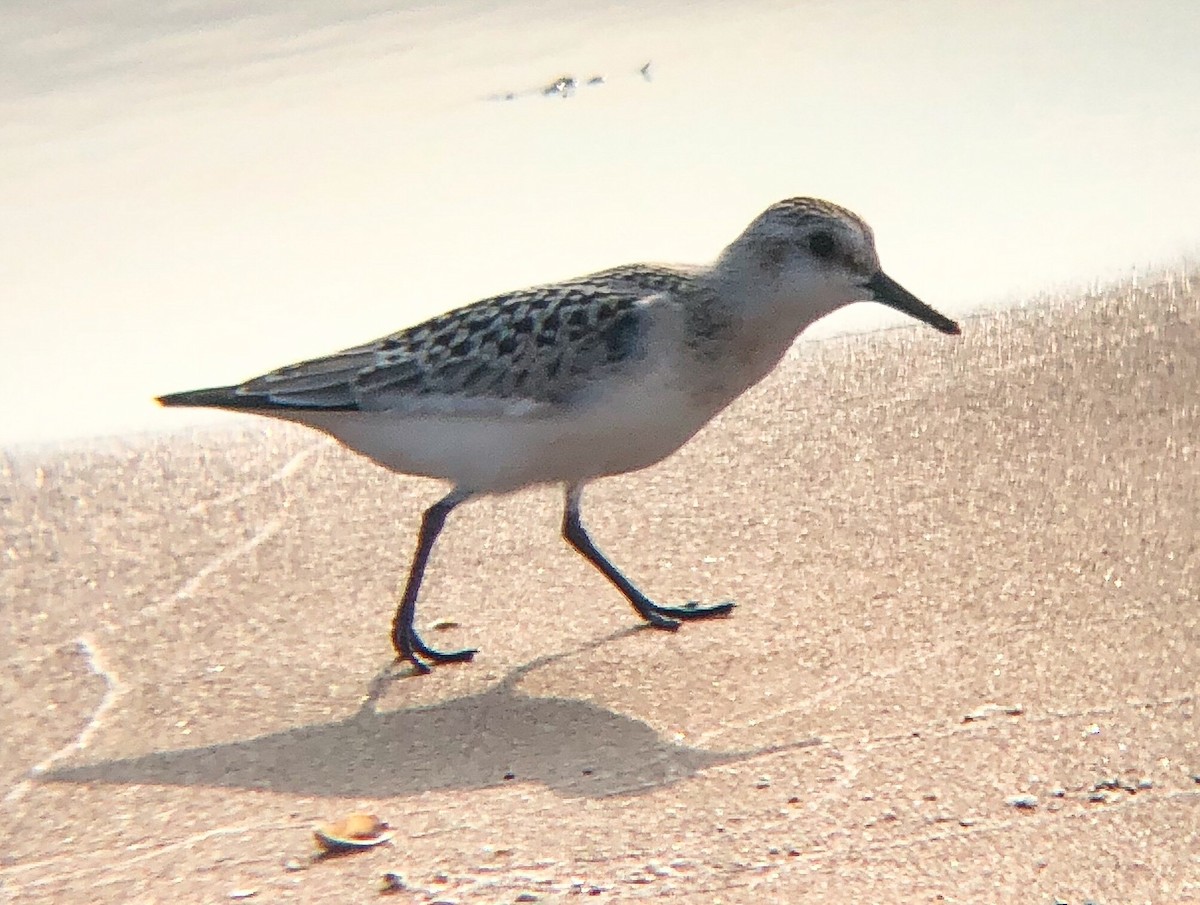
(521, 352)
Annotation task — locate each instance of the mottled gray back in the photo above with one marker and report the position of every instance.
(539, 344)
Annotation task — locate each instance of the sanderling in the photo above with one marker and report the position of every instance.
(573, 381)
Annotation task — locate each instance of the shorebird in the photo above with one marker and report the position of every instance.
(573, 381)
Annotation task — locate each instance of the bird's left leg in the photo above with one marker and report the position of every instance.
(405, 639)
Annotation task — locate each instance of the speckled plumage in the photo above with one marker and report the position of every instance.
(538, 345)
(568, 382)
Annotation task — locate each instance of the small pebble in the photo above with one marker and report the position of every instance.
(527, 897)
(1098, 796)
(1144, 784)
(1024, 802)
(391, 882)
(243, 893)
(563, 85)
(291, 864)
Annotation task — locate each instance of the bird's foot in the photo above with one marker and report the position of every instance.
(411, 649)
(669, 617)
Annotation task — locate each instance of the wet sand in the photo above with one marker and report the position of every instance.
(967, 571)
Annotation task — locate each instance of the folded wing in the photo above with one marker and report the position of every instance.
(517, 353)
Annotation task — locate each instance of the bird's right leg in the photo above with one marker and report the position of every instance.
(665, 617)
(405, 639)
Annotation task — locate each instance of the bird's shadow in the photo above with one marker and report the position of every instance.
(484, 740)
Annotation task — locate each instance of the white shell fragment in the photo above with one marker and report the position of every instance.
(352, 833)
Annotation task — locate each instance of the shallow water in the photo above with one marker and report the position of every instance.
(197, 192)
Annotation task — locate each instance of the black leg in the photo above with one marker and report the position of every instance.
(659, 616)
(405, 639)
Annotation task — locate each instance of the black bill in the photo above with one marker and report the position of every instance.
(888, 292)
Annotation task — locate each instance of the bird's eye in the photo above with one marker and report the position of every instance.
(822, 244)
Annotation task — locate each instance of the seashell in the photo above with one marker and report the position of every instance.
(352, 833)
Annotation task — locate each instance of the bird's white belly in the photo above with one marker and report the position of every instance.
(630, 427)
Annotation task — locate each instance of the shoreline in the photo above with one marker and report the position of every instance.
(1050, 303)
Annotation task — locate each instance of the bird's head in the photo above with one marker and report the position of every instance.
(813, 257)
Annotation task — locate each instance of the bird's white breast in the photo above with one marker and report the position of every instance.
(628, 422)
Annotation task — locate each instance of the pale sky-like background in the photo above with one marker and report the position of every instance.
(193, 193)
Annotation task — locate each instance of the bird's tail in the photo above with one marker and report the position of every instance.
(213, 397)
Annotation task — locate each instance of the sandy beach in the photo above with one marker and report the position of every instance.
(964, 663)
(963, 667)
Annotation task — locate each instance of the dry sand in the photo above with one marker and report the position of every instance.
(967, 571)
